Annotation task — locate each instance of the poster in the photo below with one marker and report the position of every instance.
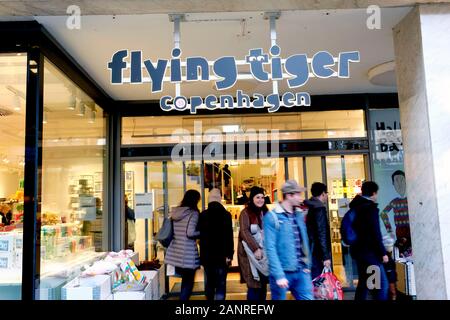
(87, 205)
(144, 205)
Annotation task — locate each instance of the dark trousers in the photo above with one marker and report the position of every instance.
(380, 291)
(187, 282)
(258, 294)
(316, 267)
(215, 282)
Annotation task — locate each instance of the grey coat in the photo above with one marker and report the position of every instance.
(183, 251)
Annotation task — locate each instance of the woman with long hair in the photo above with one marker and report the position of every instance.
(182, 252)
(250, 248)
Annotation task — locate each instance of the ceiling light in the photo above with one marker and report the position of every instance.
(92, 115)
(230, 128)
(81, 109)
(16, 103)
(73, 102)
(44, 118)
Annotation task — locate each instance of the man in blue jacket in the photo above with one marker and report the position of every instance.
(287, 248)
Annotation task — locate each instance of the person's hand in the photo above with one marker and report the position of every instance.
(385, 259)
(258, 254)
(306, 270)
(283, 283)
(327, 263)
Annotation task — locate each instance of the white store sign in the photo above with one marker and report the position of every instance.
(144, 205)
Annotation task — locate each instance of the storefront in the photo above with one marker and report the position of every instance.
(70, 153)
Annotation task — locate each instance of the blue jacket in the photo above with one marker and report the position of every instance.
(279, 242)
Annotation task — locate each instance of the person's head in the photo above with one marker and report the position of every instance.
(319, 191)
(292, 193)
(370, 189)
(399, 182)
(126, 200)
(98, 202)
(257, 202)
(226, 166)
(214, 196)
(191, 199)
(4, 208)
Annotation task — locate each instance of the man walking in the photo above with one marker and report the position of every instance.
(287, 246)
(368, 249)
(318, 229)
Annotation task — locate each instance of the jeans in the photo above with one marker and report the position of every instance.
(215, 283)
(300, 285)
(380, 293)
(187, 282)
(258, 294)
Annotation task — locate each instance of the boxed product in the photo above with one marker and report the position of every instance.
(153, 279)
(131, 273)
(6, 260)
(6, 242)
(133, 291)
(50, 288)
(87, 288)
(162, 282)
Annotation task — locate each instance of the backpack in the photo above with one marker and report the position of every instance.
(347, 232)
(165, 234)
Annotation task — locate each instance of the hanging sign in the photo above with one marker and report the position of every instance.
(143, 205)
(297, 69)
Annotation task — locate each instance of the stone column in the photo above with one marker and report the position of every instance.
(422, 57)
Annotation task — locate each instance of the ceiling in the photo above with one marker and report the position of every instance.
(214, 35)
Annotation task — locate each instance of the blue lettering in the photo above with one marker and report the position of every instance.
(297, 65)
(225, 68)
(175, 66)
(242, 99)
(320, 64)
(256, 58)
(303, 99)
(274, 100)
(288, 98)
(163, 103)
(136, 67)
(226, 101)
(211, 102)
(258, 103)
(344, 60)
(195, 102)
(117, 65)
(157, 74)
(277, 72)
(193, 65)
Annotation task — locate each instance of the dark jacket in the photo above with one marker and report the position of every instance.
(216, 236)
(318, 229)
(6, 218)
(369, 244)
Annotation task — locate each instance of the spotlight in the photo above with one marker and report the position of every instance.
(81, 110)
(16, 102)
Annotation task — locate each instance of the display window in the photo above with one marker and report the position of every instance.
(13, 68)
(73, 224)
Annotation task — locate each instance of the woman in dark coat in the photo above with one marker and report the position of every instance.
(182, 252)
(252, 215)
(216, 246)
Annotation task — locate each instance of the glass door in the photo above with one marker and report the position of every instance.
(343, 174)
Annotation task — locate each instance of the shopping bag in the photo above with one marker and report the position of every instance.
(166, 233)
(327, 286)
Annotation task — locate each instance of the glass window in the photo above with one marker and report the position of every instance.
(291, 126)
(73, 224)
(13, 68)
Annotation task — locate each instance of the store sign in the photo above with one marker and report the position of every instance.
(297, 69)
(144, 205)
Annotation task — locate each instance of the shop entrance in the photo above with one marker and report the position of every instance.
(153, 188)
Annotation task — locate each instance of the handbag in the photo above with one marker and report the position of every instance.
(327, 286)
(165, 234)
